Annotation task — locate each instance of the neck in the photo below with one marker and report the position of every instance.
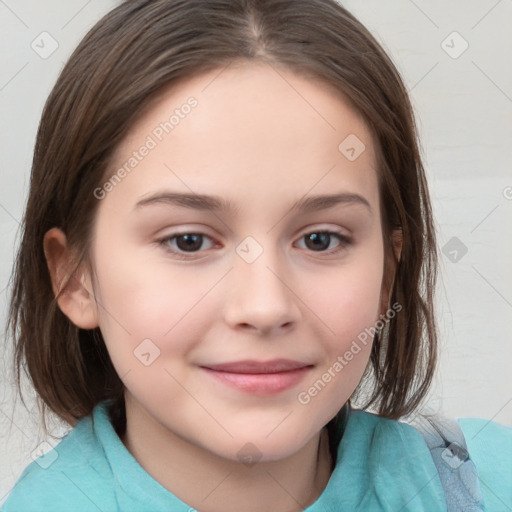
(206, 481)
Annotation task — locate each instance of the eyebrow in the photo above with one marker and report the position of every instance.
(214, 203)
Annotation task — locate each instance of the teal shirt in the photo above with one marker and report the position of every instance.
(382, 465)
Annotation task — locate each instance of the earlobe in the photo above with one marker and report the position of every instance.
(72, 287)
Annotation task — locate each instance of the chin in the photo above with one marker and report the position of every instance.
(259, 448)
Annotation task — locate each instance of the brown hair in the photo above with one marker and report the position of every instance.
(135, 51)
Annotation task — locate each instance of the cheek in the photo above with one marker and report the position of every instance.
(140, 300)
(349, 299)
(351, 311)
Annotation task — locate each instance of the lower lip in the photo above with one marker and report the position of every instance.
(260, 383)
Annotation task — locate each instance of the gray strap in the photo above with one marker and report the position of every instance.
(456, 469)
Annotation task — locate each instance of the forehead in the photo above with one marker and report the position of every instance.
(248, 128)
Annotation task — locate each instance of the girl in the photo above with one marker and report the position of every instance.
(228, 240)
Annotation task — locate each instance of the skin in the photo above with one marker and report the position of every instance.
(258, 142)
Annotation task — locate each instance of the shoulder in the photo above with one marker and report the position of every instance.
(395, 468)
(384, 431)
(486, 476)
(487, 473)
(490, 447)
(74, 474)
(393, 440)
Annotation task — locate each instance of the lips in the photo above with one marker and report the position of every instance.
(259, 377)
(257, 367)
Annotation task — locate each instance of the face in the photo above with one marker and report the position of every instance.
(247, 230)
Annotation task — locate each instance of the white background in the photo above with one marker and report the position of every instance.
(464, 110)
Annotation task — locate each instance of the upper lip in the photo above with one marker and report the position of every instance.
(251, 366)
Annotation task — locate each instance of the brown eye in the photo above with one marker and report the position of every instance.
(318, 241)
(187, 243)
(323, 241)
(190, 242)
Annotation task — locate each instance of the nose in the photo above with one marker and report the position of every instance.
(261, 298)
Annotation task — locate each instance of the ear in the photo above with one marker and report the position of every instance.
(390, 269)
(72, 288)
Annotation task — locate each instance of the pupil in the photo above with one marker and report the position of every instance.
(317, 241)
(189, 242)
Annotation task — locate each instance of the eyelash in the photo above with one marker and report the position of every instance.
(344, 241)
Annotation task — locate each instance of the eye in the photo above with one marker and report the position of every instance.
(187, 242)
(325, 241)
